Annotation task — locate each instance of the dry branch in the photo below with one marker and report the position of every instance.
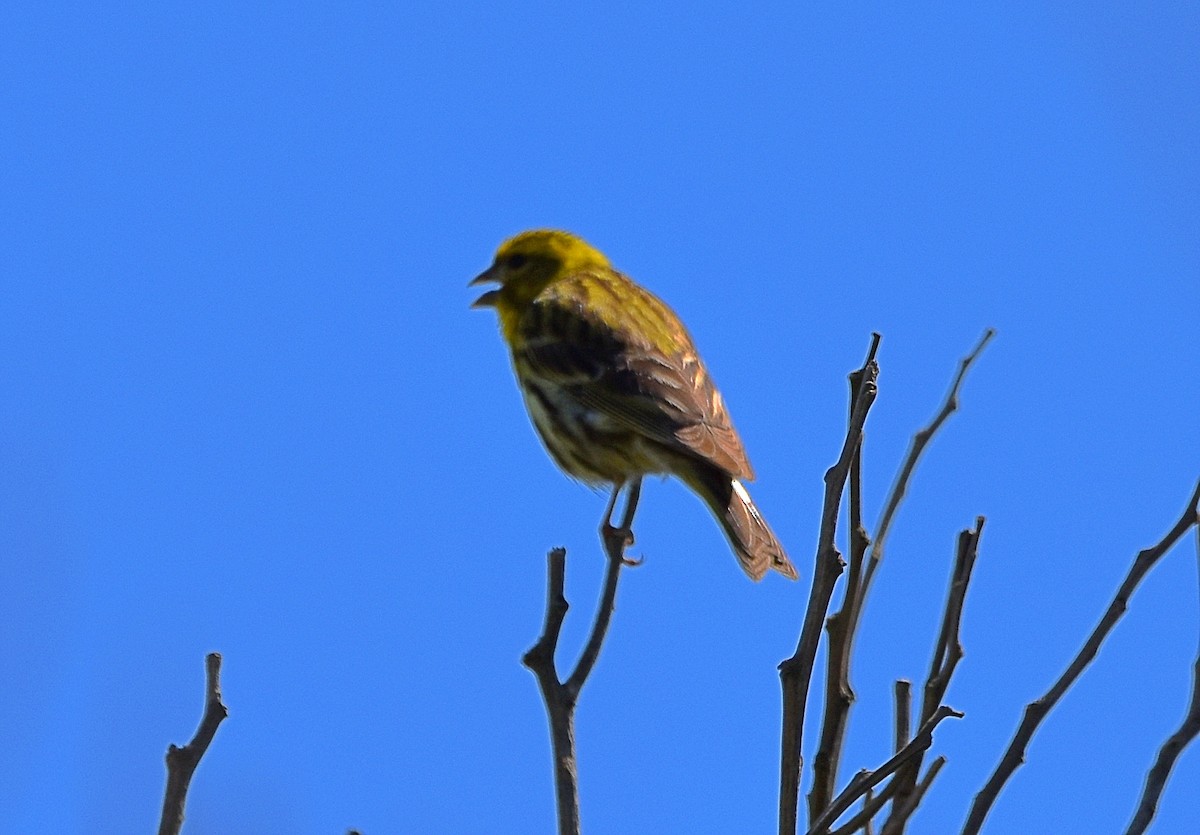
(866, 779)
(182, 762)
(1037, 711)
(919, 442)
(842, 626)
(946, 655)
(795, 673)
(839, 695)
(903, 693)
(559, 696)
(872, 803)
(914, 798)
(1189, 729)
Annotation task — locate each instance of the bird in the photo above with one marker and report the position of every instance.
(615, 388)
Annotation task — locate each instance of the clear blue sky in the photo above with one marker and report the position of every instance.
(244, 405)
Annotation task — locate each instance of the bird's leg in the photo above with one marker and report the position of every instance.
(623, 535)
(606, 527)
(631, 503)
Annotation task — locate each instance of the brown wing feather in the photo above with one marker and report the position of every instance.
(680, 384)
(666, 396)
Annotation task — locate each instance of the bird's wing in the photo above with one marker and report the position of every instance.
(657, 387)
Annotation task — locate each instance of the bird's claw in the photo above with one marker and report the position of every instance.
(622, 537)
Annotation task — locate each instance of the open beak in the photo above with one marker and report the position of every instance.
(489, 298)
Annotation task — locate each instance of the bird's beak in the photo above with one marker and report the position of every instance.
(489, 298)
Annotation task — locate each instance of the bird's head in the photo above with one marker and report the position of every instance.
(528, 263)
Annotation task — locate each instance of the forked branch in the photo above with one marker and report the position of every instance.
(843, 625)
(561, 696)
(866, 779)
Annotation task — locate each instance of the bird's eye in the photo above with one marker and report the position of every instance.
(515, 262)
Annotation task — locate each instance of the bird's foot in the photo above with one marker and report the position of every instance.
(620, 537)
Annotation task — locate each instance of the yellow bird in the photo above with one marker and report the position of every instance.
(615, 387)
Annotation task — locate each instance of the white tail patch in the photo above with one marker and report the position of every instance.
(741, 492)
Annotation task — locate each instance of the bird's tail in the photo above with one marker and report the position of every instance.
(754, 544)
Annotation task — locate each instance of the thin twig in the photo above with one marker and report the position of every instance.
(556, 607)
(903, 693)
(1160, 772)
(615, 543)
(947, 653)
(919, 442)
(917, 794)
(842, 626)
(795, 673)
(866, 779)
(560, 697)
(949, 649)
(1036, 711)
(872, 803)
(839, 695)
(182, 762)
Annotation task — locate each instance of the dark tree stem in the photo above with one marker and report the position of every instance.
(182, 762)
(795, 673)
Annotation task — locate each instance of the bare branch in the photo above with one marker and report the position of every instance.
(919, 442)
(839, 695)
(1036, 711)
(842, 626)
(915, 796)
(867, 779)
(182, 762)
(903, 693)
(560, 697)
(795, 673)
(949, 649)
(1160, 772)
(872, 803)
(946, 655)
(556, 609)
(615, 542)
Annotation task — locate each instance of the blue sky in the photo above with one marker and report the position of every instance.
(246, 407)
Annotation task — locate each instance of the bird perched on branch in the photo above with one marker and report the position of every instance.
(615, 387)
